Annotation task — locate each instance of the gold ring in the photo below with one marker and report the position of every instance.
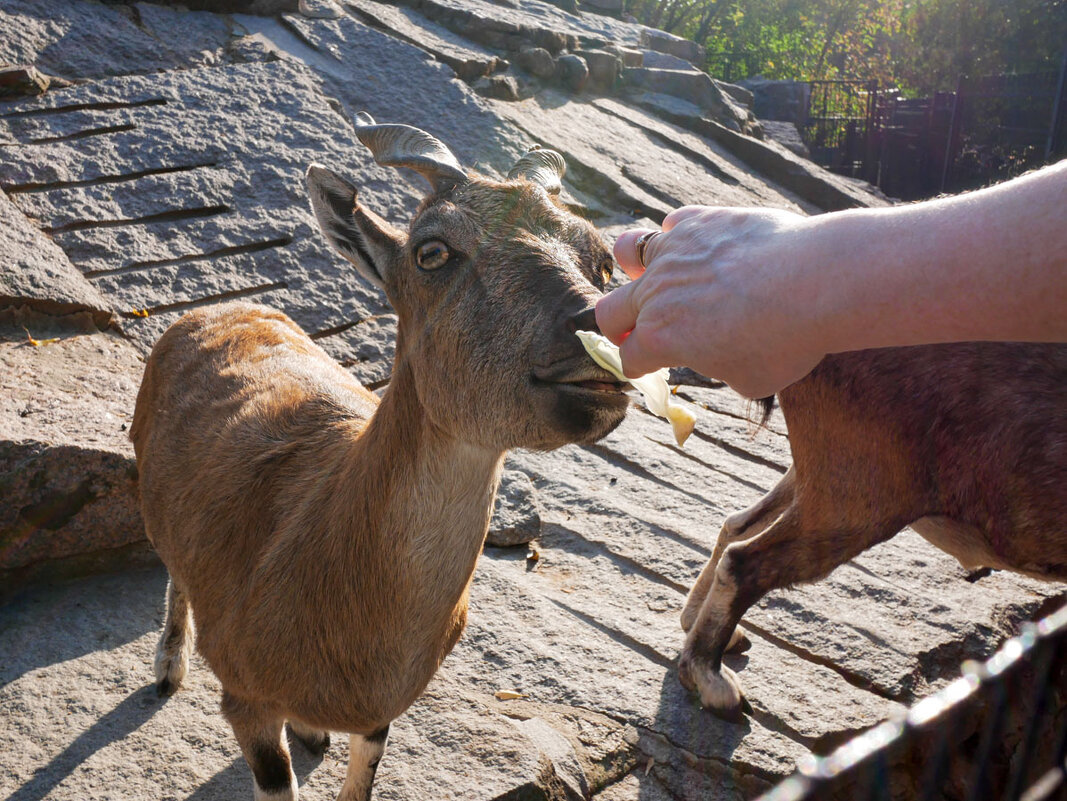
(642, 243)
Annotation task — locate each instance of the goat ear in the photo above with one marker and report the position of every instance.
(361, 236)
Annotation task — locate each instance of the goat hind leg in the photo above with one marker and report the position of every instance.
(175, 642)
(739, 527)
(364, 754)
(260, 733)
(788, 552)
(316, 741)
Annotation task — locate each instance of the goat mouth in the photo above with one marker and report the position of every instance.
(597, 385)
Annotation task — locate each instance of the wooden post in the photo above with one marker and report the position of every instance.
(953, 132)
(871, 170)
(1058, 111)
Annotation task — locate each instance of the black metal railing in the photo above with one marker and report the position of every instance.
(999, 733)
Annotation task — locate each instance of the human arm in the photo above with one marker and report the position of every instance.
(757, 297)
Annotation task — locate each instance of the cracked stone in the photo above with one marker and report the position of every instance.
(16, 81)
(34, 271)
(516, 516)
(67, 474)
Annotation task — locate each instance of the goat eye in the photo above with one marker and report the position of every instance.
(431, 255)
(606, 267)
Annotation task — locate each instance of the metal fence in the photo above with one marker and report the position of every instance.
(841, 117)
(989, 129)
(998, 733)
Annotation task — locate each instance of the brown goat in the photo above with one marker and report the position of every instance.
(323, 541)
(966, 443)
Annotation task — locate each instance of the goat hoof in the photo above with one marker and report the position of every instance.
(170, 673)
(720, 694)
(719, 690)
(739, 641)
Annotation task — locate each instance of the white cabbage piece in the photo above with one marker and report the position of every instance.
(653, 386)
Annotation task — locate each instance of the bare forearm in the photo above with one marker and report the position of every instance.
(990, 265)
(757, 297)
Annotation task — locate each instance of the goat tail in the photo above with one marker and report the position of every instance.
(766, 407)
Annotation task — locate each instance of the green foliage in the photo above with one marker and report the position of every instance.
(920, 45)
(942, 39)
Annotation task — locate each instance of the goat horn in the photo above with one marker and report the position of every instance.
(543, 167)
(406, 146)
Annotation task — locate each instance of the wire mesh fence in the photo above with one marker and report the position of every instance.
(999, 733)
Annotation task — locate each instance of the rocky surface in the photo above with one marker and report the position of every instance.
(67, 475)
(162, 170)
(38, 274)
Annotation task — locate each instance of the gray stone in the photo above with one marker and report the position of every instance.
(787, 135)
(160, 217)
(34, 271)
(19, 81)
(516, 514)
(571, 72)
(469, 61)
(67, 474)
(319, 9)
(537, 61)
(738, 93)
(558, 653)
(570, 6)
(265, 7)
(357, 65)
(820, 187)
(79, 657)
(75, 39)
(664, 42)
(365, 348)
(558, 750)
(612, 155)
(532, 19)
(604, 69)
(629, 56)
(498, 87)
(779, 100)
(697, 88)
(197, 33)
(663, 61)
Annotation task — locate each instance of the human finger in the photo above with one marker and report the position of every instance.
(616, 313)
(684, 213)
(626, 251)
(637, 357)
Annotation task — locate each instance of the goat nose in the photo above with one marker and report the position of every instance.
(583, 321)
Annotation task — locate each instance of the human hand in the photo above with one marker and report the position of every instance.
(732, 293)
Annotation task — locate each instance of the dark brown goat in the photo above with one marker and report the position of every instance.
(966, 443)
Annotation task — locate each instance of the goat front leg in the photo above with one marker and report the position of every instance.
(788, 552)
(739, 527)
(175, 642)
(260, 733)
(364, 754)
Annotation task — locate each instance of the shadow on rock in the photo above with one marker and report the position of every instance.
(235, 781)
(51, 624)
(693, 750)
(121, 721)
